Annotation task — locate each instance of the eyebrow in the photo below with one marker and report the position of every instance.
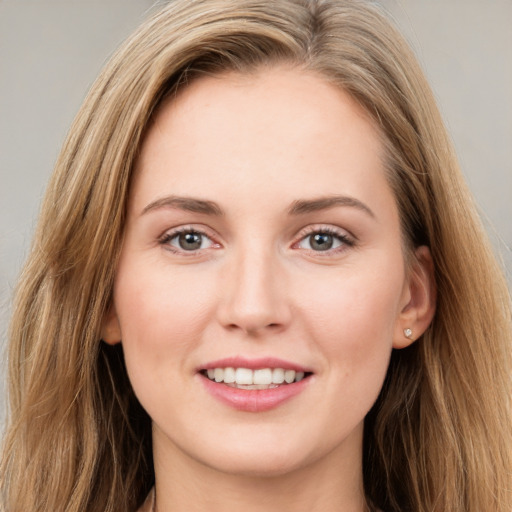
(323, 203)
(299, 207)
(189, 204)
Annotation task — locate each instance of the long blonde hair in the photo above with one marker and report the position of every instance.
(439, 436)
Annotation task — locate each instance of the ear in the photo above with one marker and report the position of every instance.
(110, 328)
(418, 303)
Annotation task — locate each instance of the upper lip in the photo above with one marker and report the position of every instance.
(254, 364)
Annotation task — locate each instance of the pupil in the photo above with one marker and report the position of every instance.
(321, 242)
(190, 241)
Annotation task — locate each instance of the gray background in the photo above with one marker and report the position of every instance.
(51, 51)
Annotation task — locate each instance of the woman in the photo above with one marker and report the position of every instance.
(259, 280)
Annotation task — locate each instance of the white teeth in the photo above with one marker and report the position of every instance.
(229, 375)
(262, 376)
(244, 376)
(289, 376)
(259, 379)
(277, 375)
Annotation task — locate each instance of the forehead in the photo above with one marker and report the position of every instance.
(287, 130)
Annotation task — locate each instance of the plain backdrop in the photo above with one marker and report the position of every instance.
(52, 50)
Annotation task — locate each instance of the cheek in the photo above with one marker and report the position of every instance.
(349, 321)
(162, 318)
(352, 316)
(156, 307)
(363, 302)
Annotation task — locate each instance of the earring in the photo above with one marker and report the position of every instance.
(408, 333)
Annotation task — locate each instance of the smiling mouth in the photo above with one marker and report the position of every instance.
(246, 378)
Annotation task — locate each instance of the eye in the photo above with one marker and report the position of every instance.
(324, 240)
(187, 240)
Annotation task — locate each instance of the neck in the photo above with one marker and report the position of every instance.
(331, 484)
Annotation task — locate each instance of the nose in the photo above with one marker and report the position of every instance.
(254, 294)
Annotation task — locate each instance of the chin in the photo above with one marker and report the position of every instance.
(259, 466)
(262, 456)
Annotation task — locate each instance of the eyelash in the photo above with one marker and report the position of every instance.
(167, 237)
(346, 240)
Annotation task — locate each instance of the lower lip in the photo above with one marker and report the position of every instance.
(254, 400)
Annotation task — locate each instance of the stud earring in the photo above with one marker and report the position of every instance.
(408, 333)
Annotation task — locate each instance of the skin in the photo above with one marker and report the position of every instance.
(255, 145)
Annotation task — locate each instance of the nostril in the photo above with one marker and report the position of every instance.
(254, 328)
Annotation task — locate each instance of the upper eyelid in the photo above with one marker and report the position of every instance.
(322, 228)
(172, 232)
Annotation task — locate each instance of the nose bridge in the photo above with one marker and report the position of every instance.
(254, 291)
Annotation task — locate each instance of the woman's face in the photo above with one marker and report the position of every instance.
(262, 241)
